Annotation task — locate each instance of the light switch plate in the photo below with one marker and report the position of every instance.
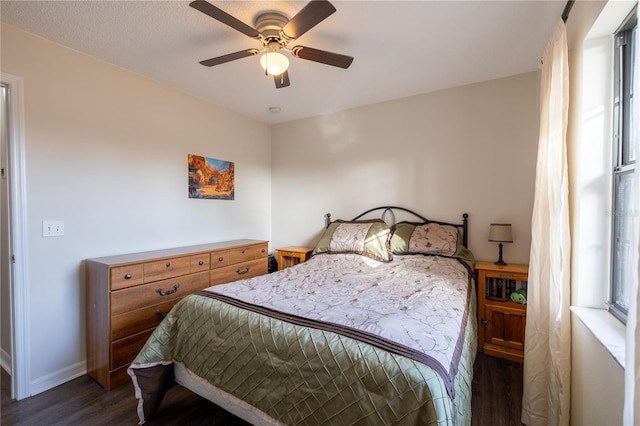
(52, 228)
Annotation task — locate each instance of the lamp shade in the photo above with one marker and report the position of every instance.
(501, 233)
(274, 63)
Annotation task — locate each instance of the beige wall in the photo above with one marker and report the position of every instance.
(468, 149)
(106, 151)
(597, 388)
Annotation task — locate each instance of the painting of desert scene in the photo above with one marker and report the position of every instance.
(210, 178)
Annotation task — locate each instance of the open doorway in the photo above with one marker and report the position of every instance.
(5, 250)
(14, 304)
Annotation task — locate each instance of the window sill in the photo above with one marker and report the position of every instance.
(606, 328)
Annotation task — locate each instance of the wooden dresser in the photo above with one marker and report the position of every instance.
(128, 295)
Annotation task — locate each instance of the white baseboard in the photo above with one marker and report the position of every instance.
(52, 380)
(5, 361)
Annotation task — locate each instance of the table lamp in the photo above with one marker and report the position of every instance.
(500, 233)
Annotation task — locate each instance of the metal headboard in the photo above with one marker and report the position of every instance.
(390, 210)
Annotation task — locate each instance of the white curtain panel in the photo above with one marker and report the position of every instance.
(632, 357)
(547, 357)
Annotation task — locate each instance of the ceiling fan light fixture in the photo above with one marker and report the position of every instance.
(274, 63)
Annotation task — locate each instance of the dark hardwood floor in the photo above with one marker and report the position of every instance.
(497, 393)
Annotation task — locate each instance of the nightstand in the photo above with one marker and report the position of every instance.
(501, 322)
(290, 256)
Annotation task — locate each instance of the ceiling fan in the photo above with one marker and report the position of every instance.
(275, 32)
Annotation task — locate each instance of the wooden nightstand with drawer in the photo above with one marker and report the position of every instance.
(128, 295)
(290, 256)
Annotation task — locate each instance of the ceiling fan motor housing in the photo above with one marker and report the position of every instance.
(270, 25)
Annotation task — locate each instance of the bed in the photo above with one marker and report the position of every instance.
(377, 327)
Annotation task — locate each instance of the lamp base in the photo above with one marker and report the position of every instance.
(500, 261)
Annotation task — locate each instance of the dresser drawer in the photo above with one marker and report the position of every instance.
(124, 351)
(140, 319)
(260, 251)
(242, 254)
(200, 262)
(219, 258)
(130, 299)
(126, 276)
(239, 271)
(163, 269)
(119, 377)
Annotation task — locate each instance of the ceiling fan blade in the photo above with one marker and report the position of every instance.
(282, 80)
(222, 16)
(228, 58)
(311, 15)
(322, 56)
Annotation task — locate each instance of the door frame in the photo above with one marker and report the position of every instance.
(18, 281)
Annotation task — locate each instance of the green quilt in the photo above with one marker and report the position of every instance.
(299, 375)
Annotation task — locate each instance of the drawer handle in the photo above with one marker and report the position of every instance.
(127, 277)
(160, 313)
(239, 272)
(220, 259)
(242, 251)
(201, 263)
(263, 250)
(164, 293)
(168, 264)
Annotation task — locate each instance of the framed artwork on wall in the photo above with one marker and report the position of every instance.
(210, 178)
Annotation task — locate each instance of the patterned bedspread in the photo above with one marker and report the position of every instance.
(339, 339)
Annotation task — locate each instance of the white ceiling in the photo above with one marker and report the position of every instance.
(401, 48)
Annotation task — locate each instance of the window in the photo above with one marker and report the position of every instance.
(624, 164)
